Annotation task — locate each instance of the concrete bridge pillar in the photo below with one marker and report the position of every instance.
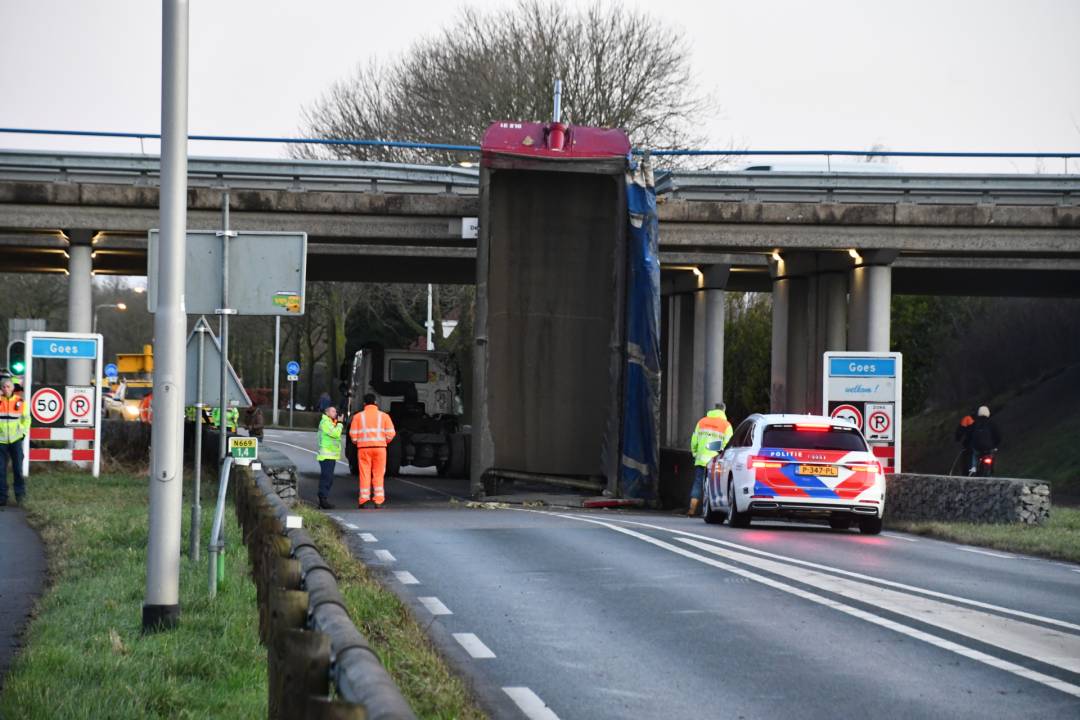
(80, 299)
(692, 340)
(871, 301)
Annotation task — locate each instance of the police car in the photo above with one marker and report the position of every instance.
(801, 467)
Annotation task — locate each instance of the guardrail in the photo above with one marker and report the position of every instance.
(872, 187)
(240, 173)
(382, 177)
(312, 644)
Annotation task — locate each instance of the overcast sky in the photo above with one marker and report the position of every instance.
(975, 75)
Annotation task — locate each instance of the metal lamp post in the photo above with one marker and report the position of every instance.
(118, 306)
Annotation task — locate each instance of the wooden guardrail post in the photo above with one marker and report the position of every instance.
(288, 610)
(304, 659)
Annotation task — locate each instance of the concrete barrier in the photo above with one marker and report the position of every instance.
(966, 499)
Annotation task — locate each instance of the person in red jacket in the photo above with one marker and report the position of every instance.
(371, 430)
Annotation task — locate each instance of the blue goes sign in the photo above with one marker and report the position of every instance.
(862, 367)
(65, 348)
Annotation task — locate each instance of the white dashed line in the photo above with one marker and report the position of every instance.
(368, 537)
(474, 646)
(900, 537)
(434, 606)
(385, 556)
(530, 703)
(405, 577)
(352, 527)
(987, 552)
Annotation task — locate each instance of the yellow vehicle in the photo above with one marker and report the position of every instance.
(136, 372)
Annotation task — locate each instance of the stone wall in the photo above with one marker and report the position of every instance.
(966, 499)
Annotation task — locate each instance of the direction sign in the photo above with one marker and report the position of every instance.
(244, 448)
(80, 406)
(46, 405)
(111, 370)
(849, 414)
(292, 368)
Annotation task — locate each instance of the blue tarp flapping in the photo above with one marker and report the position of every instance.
(639, 469)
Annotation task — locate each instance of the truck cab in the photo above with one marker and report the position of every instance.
(420, 390)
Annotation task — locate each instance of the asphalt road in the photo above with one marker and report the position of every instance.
(579, 614)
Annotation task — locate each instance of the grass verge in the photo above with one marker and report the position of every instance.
(417, 668)
(85, 655)
(1058, 538)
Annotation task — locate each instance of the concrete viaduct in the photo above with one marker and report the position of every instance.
(832, 248)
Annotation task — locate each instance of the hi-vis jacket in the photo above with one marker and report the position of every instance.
(14, 418)
(714, 426)
(371, 428)
(329, 439)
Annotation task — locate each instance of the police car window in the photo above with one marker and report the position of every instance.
(402, 370)
(791, 436)
(741, 438)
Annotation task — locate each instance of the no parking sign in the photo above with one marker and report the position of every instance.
(80, 406)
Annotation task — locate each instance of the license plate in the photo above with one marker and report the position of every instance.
(820, 470)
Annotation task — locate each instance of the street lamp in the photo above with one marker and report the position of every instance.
(118, 306)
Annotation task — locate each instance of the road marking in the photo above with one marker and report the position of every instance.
(987, 552)
(1073, 659)
(425, 487)
(474, 646)
(1038, 643)
(368, 537)
(309, 452)
(900, 537)
(530, 703)
(385, 556)
(352, 527)
(405, 577)
(860, 576)
(434, 606)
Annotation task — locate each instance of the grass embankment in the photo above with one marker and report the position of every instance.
(1058, 538)
(85, 654)
(407, 653)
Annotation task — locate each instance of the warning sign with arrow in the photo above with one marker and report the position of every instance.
(879, 421)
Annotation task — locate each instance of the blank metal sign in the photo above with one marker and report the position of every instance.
(267, 271)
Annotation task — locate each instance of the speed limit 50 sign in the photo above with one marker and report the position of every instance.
(46, 405)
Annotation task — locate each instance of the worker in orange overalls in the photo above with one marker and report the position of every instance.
(371, 430)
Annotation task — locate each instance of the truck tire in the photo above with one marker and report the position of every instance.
(350, 456)
(457, 464)
(393, 457)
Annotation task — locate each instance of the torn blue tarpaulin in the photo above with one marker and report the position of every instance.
(639, 470)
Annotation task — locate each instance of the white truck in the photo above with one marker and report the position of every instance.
(421, 392)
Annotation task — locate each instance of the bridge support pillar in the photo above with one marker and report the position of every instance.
(871, 301)
(80, 299)
(714, 279)
(692, 336)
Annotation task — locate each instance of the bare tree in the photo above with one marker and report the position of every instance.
(620, 68)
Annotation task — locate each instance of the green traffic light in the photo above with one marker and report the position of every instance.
(17, 368)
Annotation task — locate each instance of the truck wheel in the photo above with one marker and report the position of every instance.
(457, 464)
(393, 458)
(350, 456)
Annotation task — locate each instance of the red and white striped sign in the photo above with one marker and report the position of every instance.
(48, 433)
(60, 455)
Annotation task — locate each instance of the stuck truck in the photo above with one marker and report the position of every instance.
(421, 390)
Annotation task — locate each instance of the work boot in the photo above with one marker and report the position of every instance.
(692, 512)
(364, 504)
(325, 504)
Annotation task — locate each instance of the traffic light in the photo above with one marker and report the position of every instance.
(16, 357)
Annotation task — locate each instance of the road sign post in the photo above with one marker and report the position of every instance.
(161, 606)
(865, 389)
(80, 406)
(292, 372)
